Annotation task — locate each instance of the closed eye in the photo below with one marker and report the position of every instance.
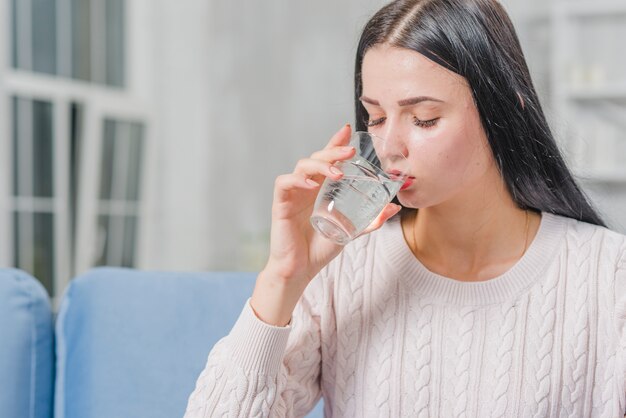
(375, 122)
(417, 122)
(425, 123)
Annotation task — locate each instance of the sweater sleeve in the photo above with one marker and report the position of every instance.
(260, 370)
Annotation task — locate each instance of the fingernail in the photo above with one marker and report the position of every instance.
(335, 170)
(347, 125)
(347, 149)
(312, 183)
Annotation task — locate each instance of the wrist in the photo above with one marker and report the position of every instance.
(274, 298)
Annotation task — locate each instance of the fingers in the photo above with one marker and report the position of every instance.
(288, 182)
(334, 154)
(309, 173)
(390, 210)
(342, 137)
(308, 167)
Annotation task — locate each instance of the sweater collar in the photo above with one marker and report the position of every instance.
(520, 277)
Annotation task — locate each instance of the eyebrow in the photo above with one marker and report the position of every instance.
(405, 102)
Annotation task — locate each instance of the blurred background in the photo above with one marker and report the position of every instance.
(148, 133)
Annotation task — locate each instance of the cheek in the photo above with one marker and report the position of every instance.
(456, 156)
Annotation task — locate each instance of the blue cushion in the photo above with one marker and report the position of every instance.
(26, 347)
(132, 344)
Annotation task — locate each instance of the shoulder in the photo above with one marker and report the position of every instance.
(583, 239)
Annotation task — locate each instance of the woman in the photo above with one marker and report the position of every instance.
(503, 295)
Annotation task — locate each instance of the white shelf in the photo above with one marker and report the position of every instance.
(587, 8)
(570, 19)
(606, 92)
(601, 175)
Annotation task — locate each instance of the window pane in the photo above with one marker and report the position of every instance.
(44, 36)
(115, 34)
(135, 162)
(44, 266)
(102, 243)
(14, 39)
(21, 16)
(122, 156)
(15, 145)
(130, 240)
(107, 162)
(117, 240)
(21, 255)
(32, 148)
(33, 237)
(81, 39)
(42, 149)
(76, 137)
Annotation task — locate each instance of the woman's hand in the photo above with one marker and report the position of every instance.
(297, 251)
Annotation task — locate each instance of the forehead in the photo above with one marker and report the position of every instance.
(401, 72)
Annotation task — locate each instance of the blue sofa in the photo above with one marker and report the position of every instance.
(125, 343)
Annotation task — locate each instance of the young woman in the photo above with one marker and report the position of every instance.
(495, 291)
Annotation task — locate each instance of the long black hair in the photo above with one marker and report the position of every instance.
(476, 39)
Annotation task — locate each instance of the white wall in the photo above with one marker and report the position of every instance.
(176, 228)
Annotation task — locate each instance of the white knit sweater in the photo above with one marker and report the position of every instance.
(378, 335)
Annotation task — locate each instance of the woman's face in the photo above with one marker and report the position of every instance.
(427, 112)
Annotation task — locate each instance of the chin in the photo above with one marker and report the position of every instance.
(412, 199)
(408, 200)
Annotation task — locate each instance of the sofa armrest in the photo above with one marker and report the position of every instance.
(26, 347)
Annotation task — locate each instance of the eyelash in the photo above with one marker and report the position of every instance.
(417, 122)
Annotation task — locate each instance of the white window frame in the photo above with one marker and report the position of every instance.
(99, 102)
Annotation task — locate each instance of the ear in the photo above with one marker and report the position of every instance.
(521, 99)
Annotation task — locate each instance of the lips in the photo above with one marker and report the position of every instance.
(409, 181)
(396, 174)
(399, 175)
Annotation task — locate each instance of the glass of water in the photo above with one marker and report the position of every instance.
(346, 207)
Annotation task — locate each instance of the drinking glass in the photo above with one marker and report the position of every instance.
(344, 208)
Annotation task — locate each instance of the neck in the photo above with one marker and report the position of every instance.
(471, 242)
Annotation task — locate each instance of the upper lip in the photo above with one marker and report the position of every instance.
(395, 172)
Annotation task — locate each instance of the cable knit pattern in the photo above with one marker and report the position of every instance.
(504, 356)
(416, 364)
(610, 404)
(382, 336)
(577, 319)
(463, 357)
(349, 323)
(328, 330)
(383, 313)
(539, 355)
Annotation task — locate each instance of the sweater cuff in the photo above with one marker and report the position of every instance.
(256, 346)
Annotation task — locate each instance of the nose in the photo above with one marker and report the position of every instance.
(394, 141)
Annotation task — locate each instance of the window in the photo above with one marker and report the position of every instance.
(33, 189)
(74, 141)
(82, 39)
(118, 210)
